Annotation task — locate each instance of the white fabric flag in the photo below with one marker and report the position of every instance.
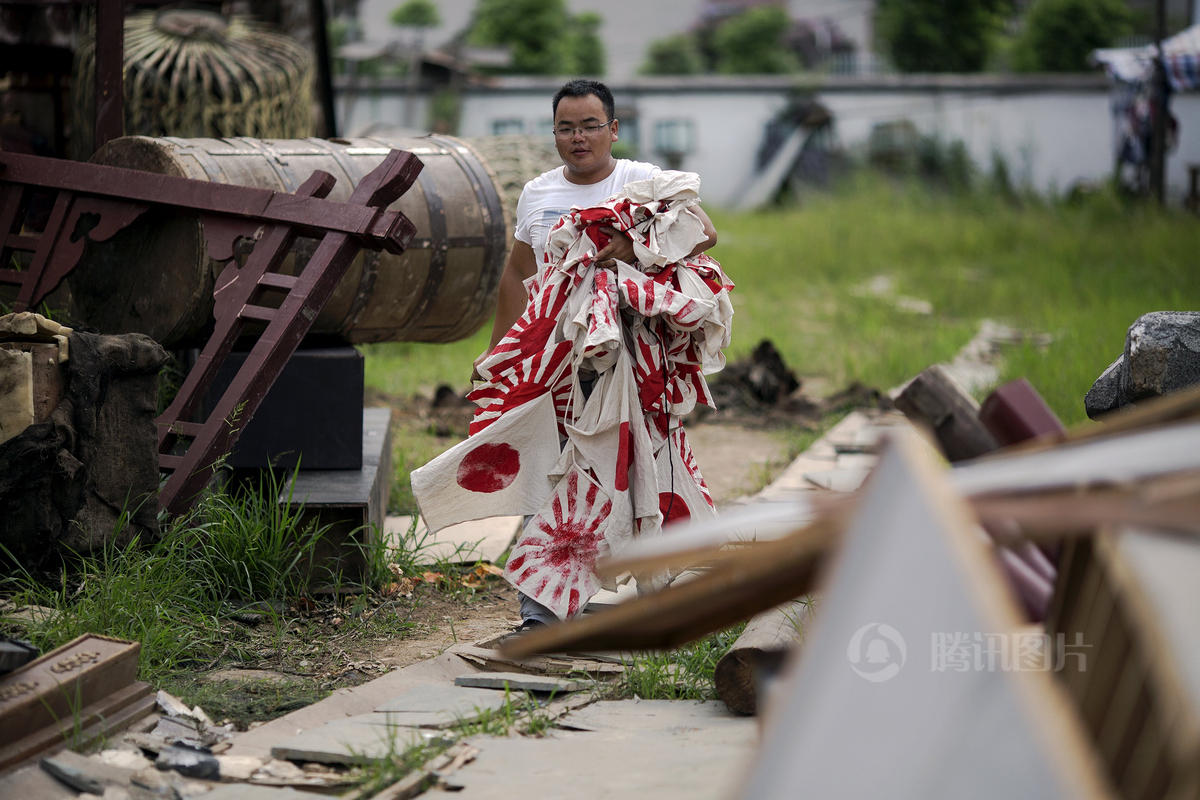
(500, 471)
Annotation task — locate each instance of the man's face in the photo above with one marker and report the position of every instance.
(585, 155)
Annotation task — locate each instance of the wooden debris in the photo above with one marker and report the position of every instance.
(744, 583)
(873, 708)
(1126, 601)
(490, 659)
(87, 685)
(759, 653)
(935, 400)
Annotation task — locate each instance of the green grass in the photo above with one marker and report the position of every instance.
(1079, 272)
(179, 595)
(682, 674)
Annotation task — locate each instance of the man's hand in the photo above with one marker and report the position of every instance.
(619, 248)
(475, 376)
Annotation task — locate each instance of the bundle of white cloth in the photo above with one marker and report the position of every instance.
(594, 470)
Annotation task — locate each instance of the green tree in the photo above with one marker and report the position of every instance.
(1058, 35)
(584, 47)
(416, 14)
(753, 43)
(940, 35)
(674, 55)
(535, 30)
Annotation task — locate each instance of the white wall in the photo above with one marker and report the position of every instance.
(1051, 135)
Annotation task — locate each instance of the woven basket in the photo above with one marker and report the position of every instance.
(200, 74)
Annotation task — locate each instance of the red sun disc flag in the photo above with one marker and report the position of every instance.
(500, 472)
(555, 556)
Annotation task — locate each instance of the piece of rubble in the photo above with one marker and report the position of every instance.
(131, 759)
(85, 774)
(192, 762)
(238, 768)
(1162, 355)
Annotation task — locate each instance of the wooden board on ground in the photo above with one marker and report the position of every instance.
(489, 659)
(909, 666)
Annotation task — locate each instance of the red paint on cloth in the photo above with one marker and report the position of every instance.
(624, 457)
(673, 507)
(489, 468)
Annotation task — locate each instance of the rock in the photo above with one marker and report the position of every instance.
(1105, 394)
(1162, 350)
(1162, 355)
(85, 774)
(65, 482)
(190, 761)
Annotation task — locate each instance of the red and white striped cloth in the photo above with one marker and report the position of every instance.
(622, 465)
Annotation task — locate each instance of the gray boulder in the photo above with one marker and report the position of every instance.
(1162, 355)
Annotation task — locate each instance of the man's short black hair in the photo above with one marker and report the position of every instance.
(582, 88)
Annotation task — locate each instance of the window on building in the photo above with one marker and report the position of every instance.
(506, 127)
(674, 139)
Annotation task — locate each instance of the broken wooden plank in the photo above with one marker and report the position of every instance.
(744, 583)
(492, 659)
(905, 668)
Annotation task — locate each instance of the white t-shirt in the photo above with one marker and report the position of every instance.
(547, 197)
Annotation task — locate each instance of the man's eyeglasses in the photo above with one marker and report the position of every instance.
(586, 130)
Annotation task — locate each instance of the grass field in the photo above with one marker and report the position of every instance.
(1081, 273)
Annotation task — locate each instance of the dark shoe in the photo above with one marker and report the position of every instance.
(525, 627)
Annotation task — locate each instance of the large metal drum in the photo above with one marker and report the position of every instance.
(156, 276)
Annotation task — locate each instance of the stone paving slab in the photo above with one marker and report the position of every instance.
(657, 748)
(350, 741)
(519, 682)
(439, 704)
(346, 703)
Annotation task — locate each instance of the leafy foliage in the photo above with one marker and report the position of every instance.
(939, 36)
(673, 55)
(752, 43)
(545, 39)
(585, 48)
(1059, 34)
(415, 14)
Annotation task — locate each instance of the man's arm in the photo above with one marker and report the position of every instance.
(512, 296)
(710, 232)
(620, 247)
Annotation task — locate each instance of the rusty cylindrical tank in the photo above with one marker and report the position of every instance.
(156, 277)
